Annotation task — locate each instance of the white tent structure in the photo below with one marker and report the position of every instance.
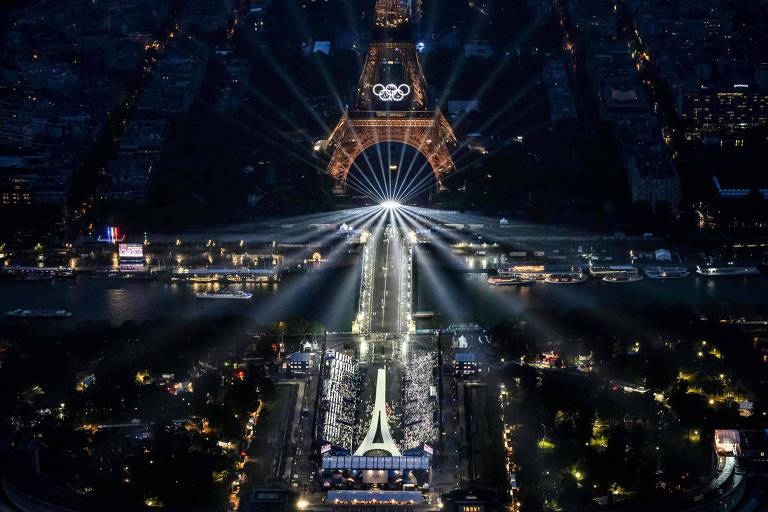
(378, 440)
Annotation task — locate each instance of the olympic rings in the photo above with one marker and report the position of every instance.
(391, 92)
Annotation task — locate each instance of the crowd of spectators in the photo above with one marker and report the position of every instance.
(419, 400)
(340, 395)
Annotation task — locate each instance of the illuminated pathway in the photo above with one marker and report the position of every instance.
(384, 305)
(383, 325)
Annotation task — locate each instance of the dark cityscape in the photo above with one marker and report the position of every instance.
(384, 255)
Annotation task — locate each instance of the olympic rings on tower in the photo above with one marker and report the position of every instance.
(391, 92)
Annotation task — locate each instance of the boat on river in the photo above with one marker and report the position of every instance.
(239, 295)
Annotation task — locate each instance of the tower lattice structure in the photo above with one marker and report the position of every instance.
(391, 103)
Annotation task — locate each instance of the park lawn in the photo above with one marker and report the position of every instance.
(488, 438)
(268, 432)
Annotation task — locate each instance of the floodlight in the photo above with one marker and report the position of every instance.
(390, 205)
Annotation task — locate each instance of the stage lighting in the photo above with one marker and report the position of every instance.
(390, 205)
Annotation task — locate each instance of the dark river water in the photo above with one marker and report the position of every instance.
(330, 296)
(466, 297)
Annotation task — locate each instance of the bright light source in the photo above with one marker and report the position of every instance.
(302, 504)
(390, 205)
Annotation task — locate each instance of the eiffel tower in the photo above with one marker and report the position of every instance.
(391, 103)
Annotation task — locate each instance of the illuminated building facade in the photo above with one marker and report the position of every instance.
(718, 111)
(301, 363)
(30, 181)
(391, 103)
(15, 190)
(465, 365)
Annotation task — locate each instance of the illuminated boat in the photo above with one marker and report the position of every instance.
(565, 278)
(123, 274)
(38, 313)
(727, 269)
(601, 270)
(622, 278)
(510, 281)
(666, 272)
(232, 275)
(239, 295)
(35, 273)
(533, 271)
(541, 272)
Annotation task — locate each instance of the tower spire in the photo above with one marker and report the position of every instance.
(393, 20)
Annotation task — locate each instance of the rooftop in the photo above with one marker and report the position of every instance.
(362, 462)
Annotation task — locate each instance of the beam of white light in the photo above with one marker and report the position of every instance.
(498, 298)
(364, 189)
(459, 159)
(458, 68)
(420, 182)
(333, 311)
(441, 290)
(356, 220)
(299, 16)
(511, 103)
(495, 297)
(287, 229)
(376, 191)
(410, 215)
(428, 267)
(423, 183)
(294, 89)
(387, 170)
(371, 167)
(485, 86)
(405, 184)
(279, 110)
(504, 61)
(399, 173)
(373, 191)
(289, 292)
(381, 171)
(282, 145)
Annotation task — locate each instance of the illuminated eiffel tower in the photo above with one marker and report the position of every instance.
(391, 103)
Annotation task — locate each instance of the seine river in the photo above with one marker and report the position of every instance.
(330, 297)
(466, 297)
